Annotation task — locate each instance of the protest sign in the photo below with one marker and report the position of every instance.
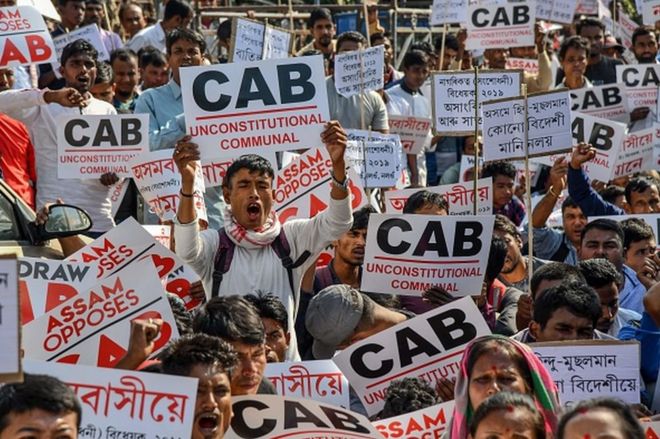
(247, 40)
(466, 172)
(214, 169)
(430, 422)
(641, 81)
(587, 7)
(278, 43)
(117, 193)
(501, 26)
(10, 324)
(626, 28)
(651, 429)
(652, 219)
(453, 102)
(274, 416)
(233, 108)
(24, 37)
(302, 188)
(129, 242)
(318, 380)
(408, 254)
(650, 11)
(606, 101)
(557, 11)
(548, 126)
(530, 66)
(45, 8)
(46, 283)
(591, 368)
(414, 132)
(377, 163)
(94, 327)
(89, 146)
(159, 182)
(161, 233)
(359, 71)
(89, 33)
(459, 197)
(449, 12)
(428, 347)
(636, 153)
(126, 403)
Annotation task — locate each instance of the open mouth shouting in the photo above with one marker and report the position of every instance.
(254, 211)
(208, 424)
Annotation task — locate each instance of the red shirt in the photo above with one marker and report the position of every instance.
(17, 158)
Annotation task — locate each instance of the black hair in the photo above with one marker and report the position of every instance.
(424, 46)
(150, 56)
(231, 318)
(37, 392)
(355, 37)
(319, 14)
(611, 193)
(420, 199)
(124, 7)
(123, 54)
(185, 34)
(184, 353)
(270, 306)
(378, 36)
(505, 225)
(579, 298)
(635, 230)
(599, 272)
(496, 256)
(574, 42)
(588, 22)
(569, 202)
(499, 167)
(414, 58)
(628, 423)
(642, 31)
(182, 317)
(224, 30)
(95, 2)
(77, 47)
(407, 395)
(553, 271)
(104, 73)
(603, 224)
(639, 184)
(63, 3)
(507, 401)
(451, 42)
(251, 162)
(177, 8)
(361, 217)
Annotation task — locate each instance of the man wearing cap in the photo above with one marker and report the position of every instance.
(612, 48)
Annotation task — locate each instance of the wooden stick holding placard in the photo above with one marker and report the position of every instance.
(475, 173)
(366, 22)
(441, 61)
(528, 188)
(291, 26)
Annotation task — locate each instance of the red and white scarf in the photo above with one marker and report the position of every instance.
(252, 239)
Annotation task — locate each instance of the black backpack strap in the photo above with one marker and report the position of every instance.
(223, 257)
(561, 253)
(283, 251)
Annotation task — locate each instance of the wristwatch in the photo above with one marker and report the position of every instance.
(340, 184)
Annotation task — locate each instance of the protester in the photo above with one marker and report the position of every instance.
(452, 174)
(426, 203)
(41, 406)
(131, 19)
(95, 14)
(276, 325)
(504, 200)
(638, 242)
(390, 74)
(515, 270)
(450, 56)
(211, 361)
(508, 416)
(323, 33)
(612, 48)
(615, 195)
(104, 83)
(601, 417)
(493, 364)
(125, 67)
(178, 15)
(573, 59)
(407, 395)
(645, 45)
(154, 70)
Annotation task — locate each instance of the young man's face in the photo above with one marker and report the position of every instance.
(638, 251)
(513, 251)
(350, 247)
(276, 338)
(132, 20)
(251, 198)
(574, 63)
(323, 31)
(388, 53)
(126, 76)
(645, 202)
(183, 53)
(7, 79)
(595, 36)
(103, 91)
(448, 57)
(94, 14)
(574, 221)
(40, 424)
(72, 13)
(79, 72)
(416, 75)
(609, 302)
(563, 325)
(602, 244)
(502, 190)
(153, 76)
(249, 371)
(213, 405)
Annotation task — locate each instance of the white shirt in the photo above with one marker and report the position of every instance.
(153, 35)
(41, 119)
(261, 269)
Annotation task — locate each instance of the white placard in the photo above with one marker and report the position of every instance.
(585, 370)
(636, 153)
(557, 11)
(89, 33)
(626, 28)
(318, 380)
(273, 416)
(160, 232)
(548, 126)
(607, 101)
(430, 422)
(377, 163)
(459, 197)
(247, 40)
(94, 328)
(466, 173)
(414, 132)
(358, 71)
(530, 66)
(428, 347)
(453, 97)
(277, 43)
(275, 104)
(587, 7)
(10, 325)
(119, 403)
(117, 192)
(408, 254)
(650, 11)
(24, 37)
(641, 81)
(89, 146)
(449, 12)
(501, 26)
(45, 8)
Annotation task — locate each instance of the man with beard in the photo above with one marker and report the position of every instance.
(211, 361)
(645, 45)
(41, 109)
(124, 64)
(323, 30)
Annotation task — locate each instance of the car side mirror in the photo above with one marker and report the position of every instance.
(64, 220)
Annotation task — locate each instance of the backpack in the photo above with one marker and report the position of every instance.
(225, 253)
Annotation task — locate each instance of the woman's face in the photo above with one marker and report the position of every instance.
(506, 424)
(494, 372)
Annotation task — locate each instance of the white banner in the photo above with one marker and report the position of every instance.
(427, 423)
(277, 43)
(414, 132)
(358, 71)
(501, 26)
(650, 11)
(377, 163)
(636, 153)
(161, 233)
(24, 37)
(89, 33)
(10, 324)
(408, 254)
(557, 11)
(641, 81)
(607, 101)
(428, 347)
(449, 12)
(247, 40)
(89, 146)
